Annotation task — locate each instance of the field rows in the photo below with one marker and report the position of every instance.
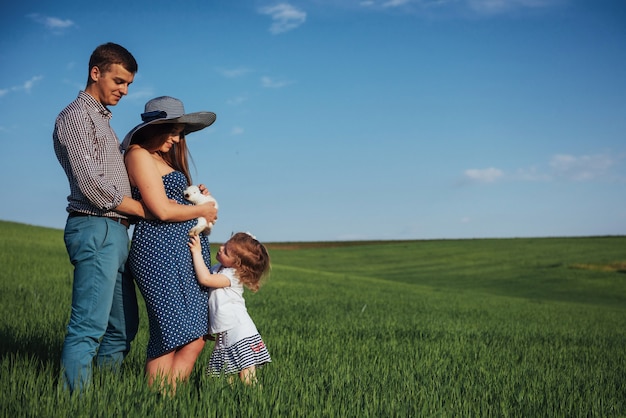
(517, 327)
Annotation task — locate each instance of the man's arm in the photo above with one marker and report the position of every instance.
(132, 207)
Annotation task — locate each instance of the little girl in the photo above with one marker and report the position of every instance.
(243, 261)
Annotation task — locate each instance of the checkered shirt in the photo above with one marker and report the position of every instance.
(89, 153)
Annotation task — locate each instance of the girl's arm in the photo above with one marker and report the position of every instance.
(205, 277)
(143, 172)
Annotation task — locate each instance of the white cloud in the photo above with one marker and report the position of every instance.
(273, 83)
(491, 7)
(236, 130)
(395, 3)
(27, 86)
(562, 166)
(485, 175)
(285, 17)
(531, 174)
(140, 94)
(53, 23)
(586, 167)
(236, 101)
(234, 72)
(474, 7)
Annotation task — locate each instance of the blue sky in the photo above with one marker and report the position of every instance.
(347, 120)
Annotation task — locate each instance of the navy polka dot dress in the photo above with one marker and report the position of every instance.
(160, 262)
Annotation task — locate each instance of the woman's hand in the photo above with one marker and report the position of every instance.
(203, 189)
(210, 213)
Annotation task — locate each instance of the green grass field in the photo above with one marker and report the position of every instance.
(493, 327)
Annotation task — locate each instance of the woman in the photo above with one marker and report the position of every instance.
(156, 158)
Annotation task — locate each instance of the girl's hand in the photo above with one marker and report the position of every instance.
(194, 244)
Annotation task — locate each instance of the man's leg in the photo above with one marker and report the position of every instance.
(86, 240)
(124, 315)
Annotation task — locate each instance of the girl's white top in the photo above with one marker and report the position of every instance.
(227, 307)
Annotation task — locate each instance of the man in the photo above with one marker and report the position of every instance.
(104, 317)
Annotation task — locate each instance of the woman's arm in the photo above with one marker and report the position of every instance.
(205, 277)
(144, 173)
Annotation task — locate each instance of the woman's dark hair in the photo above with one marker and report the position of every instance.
(151, 137)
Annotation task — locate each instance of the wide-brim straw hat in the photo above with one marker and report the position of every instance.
(166, 109)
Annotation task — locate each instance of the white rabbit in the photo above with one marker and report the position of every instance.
(193, 194)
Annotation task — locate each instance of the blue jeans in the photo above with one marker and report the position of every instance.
(104, 318)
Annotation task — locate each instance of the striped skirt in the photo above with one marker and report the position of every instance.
(250, 351)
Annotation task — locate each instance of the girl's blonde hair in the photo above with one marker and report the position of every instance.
(252, 261)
